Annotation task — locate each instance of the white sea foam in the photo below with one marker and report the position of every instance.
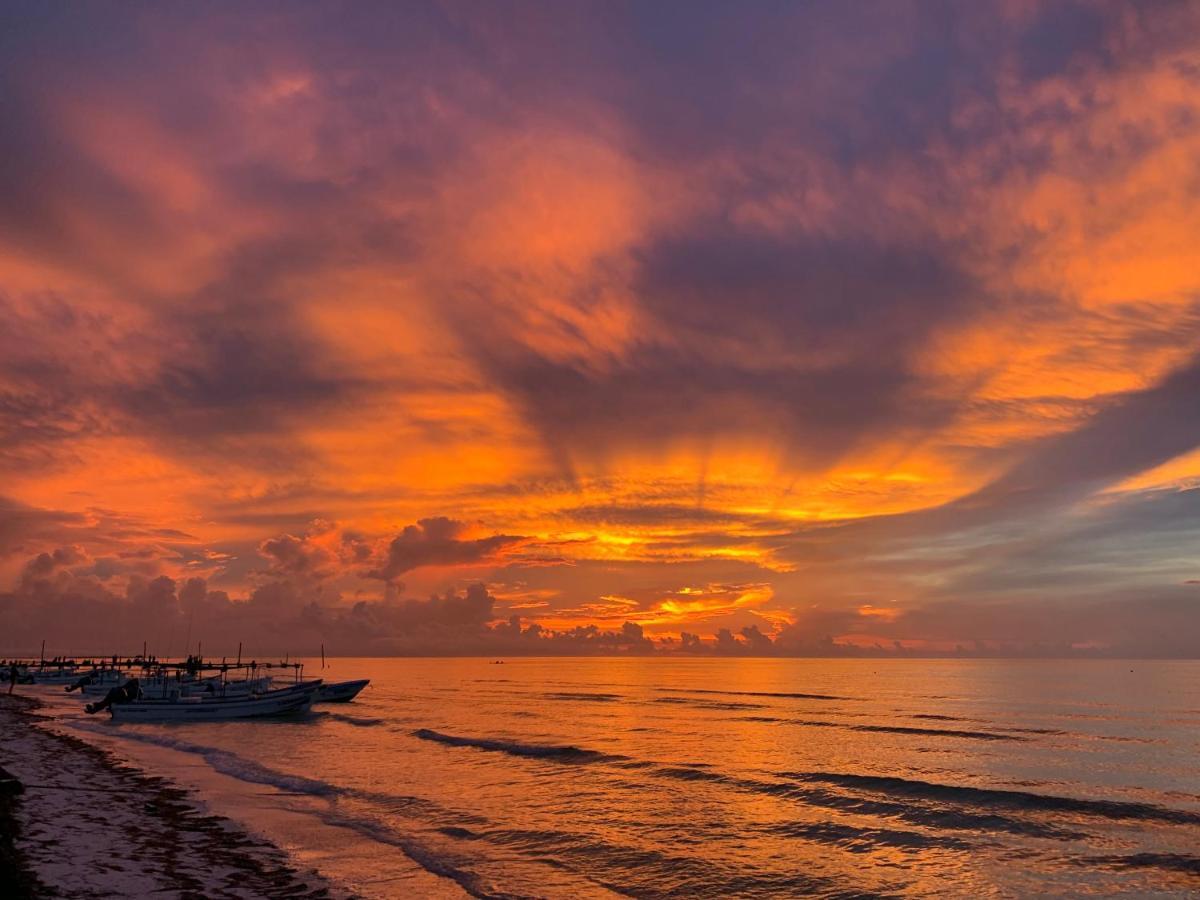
(224, 761)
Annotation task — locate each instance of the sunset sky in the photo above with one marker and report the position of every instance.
(851, 322)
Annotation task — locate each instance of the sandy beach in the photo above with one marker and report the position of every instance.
(81, 824)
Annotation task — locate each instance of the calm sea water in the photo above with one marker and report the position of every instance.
(757, 778)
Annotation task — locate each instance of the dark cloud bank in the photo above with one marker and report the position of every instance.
(72, 599)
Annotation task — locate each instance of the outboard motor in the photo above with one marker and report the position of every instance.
(80, 683)
(126, 693)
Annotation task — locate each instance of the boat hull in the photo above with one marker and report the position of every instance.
(284, 702)
(340, 692)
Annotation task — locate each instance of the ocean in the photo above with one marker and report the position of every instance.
(716, 777)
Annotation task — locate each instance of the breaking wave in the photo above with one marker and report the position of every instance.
(1171, 862)
(866, 840)
(937, 817)
(559, 752)
(357, 721)
(997, 799)
(938, 732)
(583, 695)
(782, 694)
(227, 762)
(907, 729)
(707, 704)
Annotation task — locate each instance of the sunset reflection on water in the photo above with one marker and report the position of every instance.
(647, 777)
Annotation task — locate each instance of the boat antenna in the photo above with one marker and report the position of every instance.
(322, 657)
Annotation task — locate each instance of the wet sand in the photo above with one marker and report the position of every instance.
(83, 825)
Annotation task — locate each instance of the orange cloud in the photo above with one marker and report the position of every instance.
(699, 363)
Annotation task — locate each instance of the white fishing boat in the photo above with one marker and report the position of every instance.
(156, 688)
(341, 691)
(290, 700)
(158, 681)
(53, 674)
(95, 681)
(151, 687)
(215, 687)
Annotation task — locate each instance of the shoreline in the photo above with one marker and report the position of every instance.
(83, 823)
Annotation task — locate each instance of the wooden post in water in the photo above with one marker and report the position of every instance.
(322, 657)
